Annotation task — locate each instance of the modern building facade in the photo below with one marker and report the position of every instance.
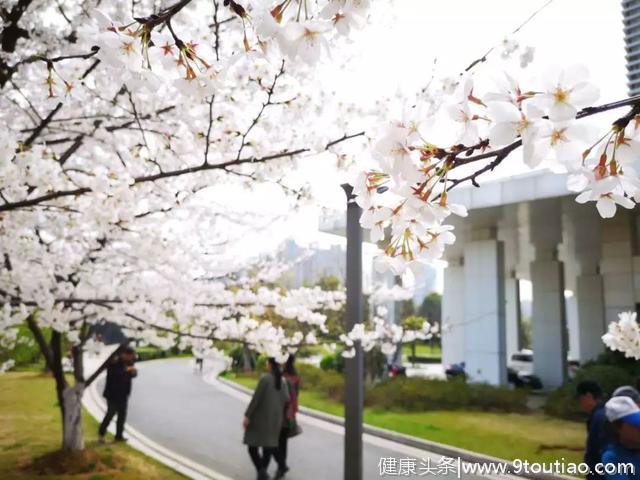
(323, 258)
(631, 14)
(584, 270)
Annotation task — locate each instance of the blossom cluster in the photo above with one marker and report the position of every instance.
(148, 55)
(624, 335)
(116, 123)
(415, 159)
(379, 332)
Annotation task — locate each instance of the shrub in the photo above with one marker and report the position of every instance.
(150, 353)
(236, 358)
(328, 362)
(562, 403)
(421, 394)
(154, 353)
(616, 359)
(417, 394)
(25, 351)
(261, 364)
(329, 383)
(333, 361)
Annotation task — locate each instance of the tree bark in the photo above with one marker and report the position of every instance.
(69, 398)
(72, 432)
(246, 359)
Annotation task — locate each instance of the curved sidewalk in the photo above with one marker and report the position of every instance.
(196, 425)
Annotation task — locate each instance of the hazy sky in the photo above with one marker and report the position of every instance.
(400, 50)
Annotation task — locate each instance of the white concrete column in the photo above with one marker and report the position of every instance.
(509, 233)
(585, 226)
(573, 322)
(453, 328)
(590, 298)
(548, 314)
(616, 266)
(513, 315)
(484, 308)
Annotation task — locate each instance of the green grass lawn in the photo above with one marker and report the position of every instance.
(534, 437)
(423, 350)
(30, 427)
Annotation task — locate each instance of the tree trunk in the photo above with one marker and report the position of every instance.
(72, 433)
(69, 398)
(246, 359)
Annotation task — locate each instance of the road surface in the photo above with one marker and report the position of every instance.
(173, 406)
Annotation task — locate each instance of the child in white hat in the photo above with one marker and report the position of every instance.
(624, 416)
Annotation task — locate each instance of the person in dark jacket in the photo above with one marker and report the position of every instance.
(264, 417)
(290, 426)
(591, 401)
(116, 390)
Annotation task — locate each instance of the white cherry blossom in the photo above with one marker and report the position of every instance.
(566, 92)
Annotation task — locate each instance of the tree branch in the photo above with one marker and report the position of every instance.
(502, 153)
(8, 206)
(256, 119)
(40, 340)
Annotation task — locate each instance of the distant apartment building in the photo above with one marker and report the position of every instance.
(324, 257)
(631, 15)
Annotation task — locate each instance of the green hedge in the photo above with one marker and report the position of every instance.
(152, 353)
(562, 403)
(419, 359)
(421, 394)
(330, 383)
(416, 394)
(25, 353)
(144, 354)
(617, 359)
(332, 361)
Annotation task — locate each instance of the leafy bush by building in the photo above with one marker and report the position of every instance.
(415, 394)
(421, 394)
(330, 383)
(418, 394)
(617, 359)
(562, 403)
(332, 361)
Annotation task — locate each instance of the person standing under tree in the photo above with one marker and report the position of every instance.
(290, 427)
(116, 390)
(264, 417)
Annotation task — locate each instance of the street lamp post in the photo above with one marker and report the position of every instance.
(354, 367)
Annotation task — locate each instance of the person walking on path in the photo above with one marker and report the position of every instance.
(590, 398)
(290, 426)
(264, 417)
(117, 390)
(624, 450)
(199, 364)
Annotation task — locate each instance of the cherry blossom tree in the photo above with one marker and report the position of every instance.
(118, 117)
